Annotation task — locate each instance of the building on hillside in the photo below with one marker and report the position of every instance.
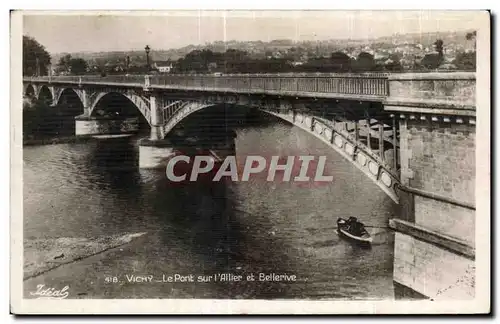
(212, 66)
(164, 66)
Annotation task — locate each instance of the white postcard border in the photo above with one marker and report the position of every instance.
(480, 304)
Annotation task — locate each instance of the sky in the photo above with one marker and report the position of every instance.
(90, 31)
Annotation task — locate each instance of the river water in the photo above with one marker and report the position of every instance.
(96, 189)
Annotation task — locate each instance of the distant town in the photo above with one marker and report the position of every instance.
(450, 51)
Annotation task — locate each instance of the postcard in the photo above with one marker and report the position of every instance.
(250, 162)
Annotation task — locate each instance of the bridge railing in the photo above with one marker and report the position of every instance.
(374, 84)
(124, 79)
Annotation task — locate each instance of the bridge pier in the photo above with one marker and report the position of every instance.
(154, 154)
(434, 253)
(155, 151)
(156, 118)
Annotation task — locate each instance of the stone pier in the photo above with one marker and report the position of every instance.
(155, 151)
(154, 154)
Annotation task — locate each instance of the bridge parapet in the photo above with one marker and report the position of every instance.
(453, 92)
(435, 93)
(349, 84)
(371, 86)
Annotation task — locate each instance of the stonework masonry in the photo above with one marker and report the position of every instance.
(435, 234)
(432, 271)
(440, 158)
(437, 87)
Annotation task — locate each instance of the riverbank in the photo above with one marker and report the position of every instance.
(42, 255)
(56, 140)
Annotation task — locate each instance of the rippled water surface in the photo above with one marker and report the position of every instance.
(95, 189)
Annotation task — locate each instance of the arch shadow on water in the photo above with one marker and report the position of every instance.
(202, 216)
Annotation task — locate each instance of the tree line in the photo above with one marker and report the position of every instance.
(236, 61)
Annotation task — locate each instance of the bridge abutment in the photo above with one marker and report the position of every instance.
(103, 125)
(434, 243)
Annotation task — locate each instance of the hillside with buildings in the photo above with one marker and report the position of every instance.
(406, 50)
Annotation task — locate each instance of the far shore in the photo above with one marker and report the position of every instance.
(55, 140)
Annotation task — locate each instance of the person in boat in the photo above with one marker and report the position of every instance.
(355, 227)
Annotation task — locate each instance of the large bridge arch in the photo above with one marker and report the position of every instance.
(376, 169)
(61, 93)
(102, 98)
(356, 153)
(180, 112)
(69, 102)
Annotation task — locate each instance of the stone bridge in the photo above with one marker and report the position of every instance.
(411, 134)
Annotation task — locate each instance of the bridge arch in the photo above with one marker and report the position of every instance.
(70, 102)
(181, 112)
(62, 93)
(45, 94)
(30, 90)
(355, 152)
(110, 98)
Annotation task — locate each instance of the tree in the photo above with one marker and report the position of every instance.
(341, 62)
(64, 64)
(465, 61)
(36, 59)
(78, 66)
(438, 44)
(365, 62)
(433, 61)
(470, 36)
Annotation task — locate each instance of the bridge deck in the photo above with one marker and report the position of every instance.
(372, 87)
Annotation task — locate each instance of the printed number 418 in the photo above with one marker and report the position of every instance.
(111, 279)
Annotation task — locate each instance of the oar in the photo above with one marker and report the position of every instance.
(373, 226)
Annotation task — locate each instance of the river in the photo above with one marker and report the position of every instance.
(96, 189)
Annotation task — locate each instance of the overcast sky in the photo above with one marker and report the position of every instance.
(164, 30)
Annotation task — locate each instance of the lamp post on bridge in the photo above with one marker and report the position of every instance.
(147, 49)
(37, 66)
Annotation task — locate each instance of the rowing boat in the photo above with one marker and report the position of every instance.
(354, 231)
